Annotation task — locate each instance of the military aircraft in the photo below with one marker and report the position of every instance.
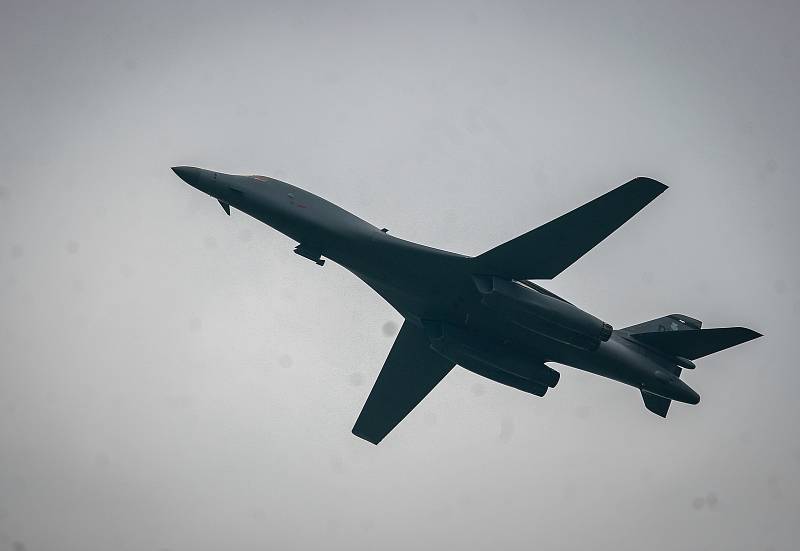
(483, 313)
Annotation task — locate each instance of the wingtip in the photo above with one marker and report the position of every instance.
(364, 436)
(658, 187)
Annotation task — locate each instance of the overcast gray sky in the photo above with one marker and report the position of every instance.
(174, 379)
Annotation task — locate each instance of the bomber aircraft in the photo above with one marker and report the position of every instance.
(483, 313)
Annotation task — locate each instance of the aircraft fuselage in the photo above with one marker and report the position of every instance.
(437, 290)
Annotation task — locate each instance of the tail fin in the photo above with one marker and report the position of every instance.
(656, 404)
(548, 250)
(681, 338)
(697, 342)
(672, 322)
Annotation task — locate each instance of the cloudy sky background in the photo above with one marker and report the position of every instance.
(174, 379)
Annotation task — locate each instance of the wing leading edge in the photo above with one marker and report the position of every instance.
(548, 250)
(410, 372)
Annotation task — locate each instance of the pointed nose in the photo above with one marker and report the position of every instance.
(188, 174)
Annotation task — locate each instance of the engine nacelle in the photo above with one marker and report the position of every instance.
(541, 313)
(487, 358)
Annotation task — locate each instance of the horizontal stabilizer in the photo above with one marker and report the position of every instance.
(410, 372)
(696, 343)
(548, 250)
(656, 404)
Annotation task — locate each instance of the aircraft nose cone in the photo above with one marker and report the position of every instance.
(188, 174)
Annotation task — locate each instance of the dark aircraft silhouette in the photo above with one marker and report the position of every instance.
(481, 312)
